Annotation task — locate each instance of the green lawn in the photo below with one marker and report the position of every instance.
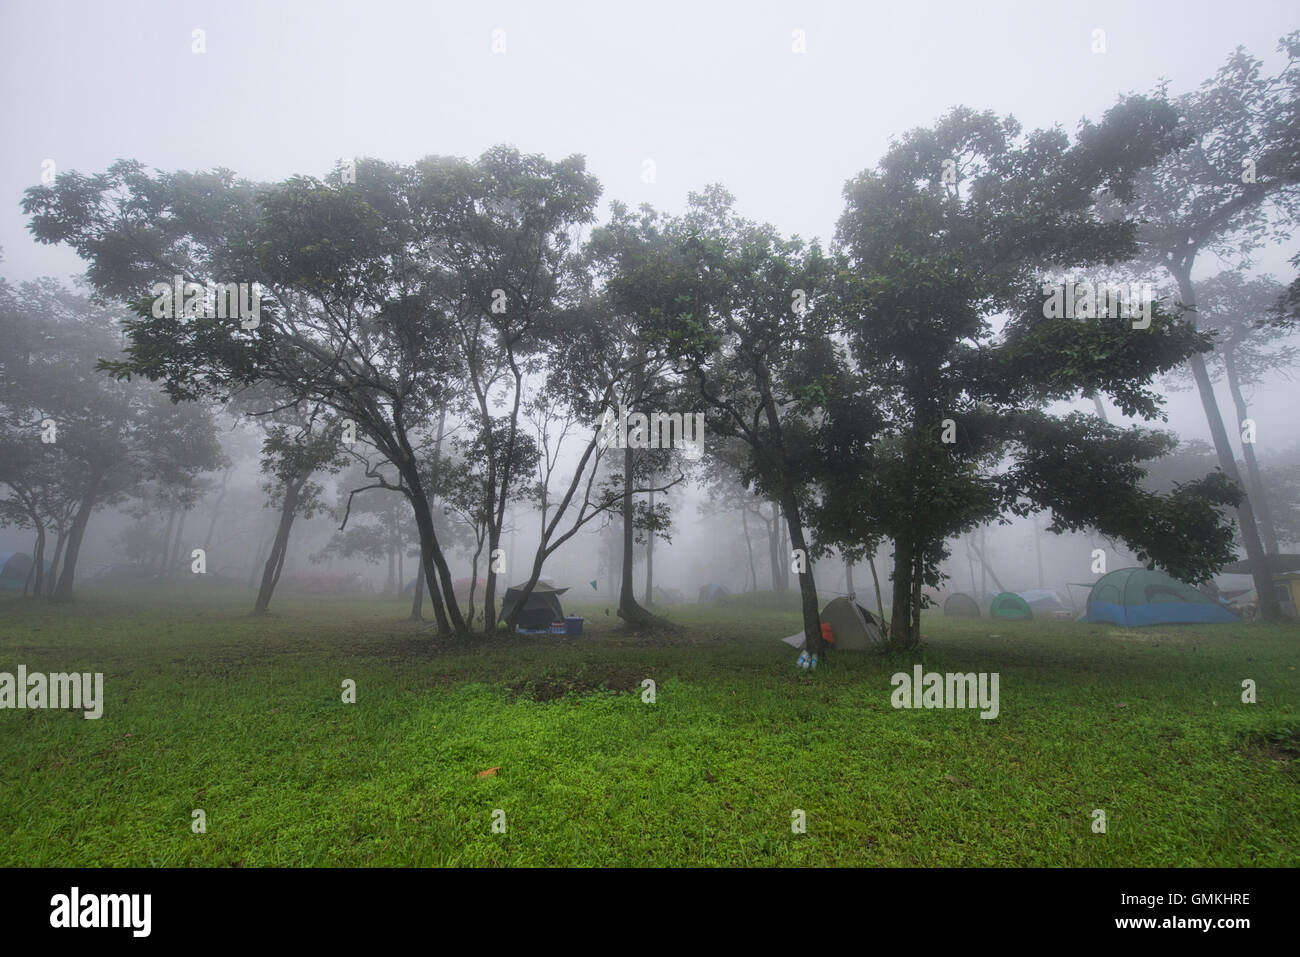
(208, 708)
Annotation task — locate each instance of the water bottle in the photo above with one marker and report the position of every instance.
(803, 659)
(813, 664)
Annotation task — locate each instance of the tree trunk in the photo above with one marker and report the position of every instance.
(628, 609)
(275, 561)
(900, 625)
(63, 592)
(749, 548)
(650, 557)
(38, 560)
(1262, 510)
(417, 601)
(1269, 609)
(848, 579)
(179, 546)
(160, 565)
(258, 555)
(774, 549)
(216, 511)
(51, 576)
(880, 599)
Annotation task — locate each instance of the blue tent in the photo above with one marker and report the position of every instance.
(712, 592)
(1138, 596)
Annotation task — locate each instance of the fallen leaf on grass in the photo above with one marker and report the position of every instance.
(490, 772)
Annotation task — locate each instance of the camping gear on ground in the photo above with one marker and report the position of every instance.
(559, 628)
(961, 605)
(828, 633)
(1139, 596)
(854, 628)
(542, 608)
(1011, 606)
(573, 624)
(712, 592)
(802, 660)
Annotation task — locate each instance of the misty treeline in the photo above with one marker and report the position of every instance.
(456, 332)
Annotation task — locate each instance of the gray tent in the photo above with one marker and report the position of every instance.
(542, 608)
(852, 627)
(961, 605)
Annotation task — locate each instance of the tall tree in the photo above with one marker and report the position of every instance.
(958, 225)
(1234, 185)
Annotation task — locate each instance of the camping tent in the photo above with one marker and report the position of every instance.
(852, 626)
(667, 596)
(712, 592)
(14, 567)
(1287, 588)
(961, 605)
(1137, 596)
(1010, 605)
(540, 611)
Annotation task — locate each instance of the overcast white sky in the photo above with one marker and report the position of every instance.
(710, 91)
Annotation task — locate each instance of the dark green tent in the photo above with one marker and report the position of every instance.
(540, 611)
(1010, 605)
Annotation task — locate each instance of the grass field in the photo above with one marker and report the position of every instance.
(209, 709)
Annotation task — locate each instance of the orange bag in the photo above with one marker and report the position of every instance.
(828, 635)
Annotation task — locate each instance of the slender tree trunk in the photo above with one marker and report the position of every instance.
(216, 511)
(275, 561)
(880, 599)
(848, 579)
(259, 555)
(51, 576)
(628, 609)
(774, 549)
(1262, 510)
(785, 551)
(160, 562)
(178, 548)
(1038, 551)
(388, 585)
(38, 560)
(63, 592)
(1269, 609)
(749, 548)
(417, 601)
(650, 557)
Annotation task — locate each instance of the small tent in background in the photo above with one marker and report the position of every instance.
(668, 596)
(540, 611)
(712, 592)
(853, 628)
(1139, 596)
(961, 605)
(1012, 606)
(14, 567)
(1287, 589)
